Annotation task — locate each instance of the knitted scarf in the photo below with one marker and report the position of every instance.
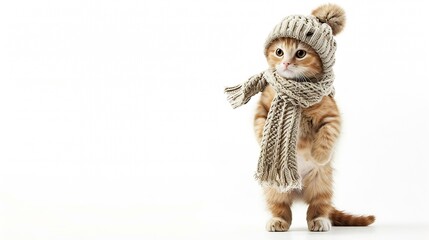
(277, 166)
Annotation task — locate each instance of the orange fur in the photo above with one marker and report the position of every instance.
(309, 67)
(333, 15)
(319, 129)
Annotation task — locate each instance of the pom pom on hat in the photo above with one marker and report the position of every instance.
(331, 14)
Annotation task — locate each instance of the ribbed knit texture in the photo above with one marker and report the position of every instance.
(277, 166)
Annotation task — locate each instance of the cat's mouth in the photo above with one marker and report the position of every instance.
(286, 73)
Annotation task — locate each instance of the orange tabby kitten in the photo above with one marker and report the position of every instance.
(319, 129)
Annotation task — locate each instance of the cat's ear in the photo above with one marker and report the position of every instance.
(331, 14)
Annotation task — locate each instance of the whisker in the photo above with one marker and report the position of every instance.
(311, 76)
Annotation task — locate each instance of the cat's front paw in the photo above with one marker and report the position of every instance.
(321, 156)
(277, 224)
(320, 224)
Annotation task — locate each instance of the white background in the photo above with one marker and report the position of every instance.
(114, 125)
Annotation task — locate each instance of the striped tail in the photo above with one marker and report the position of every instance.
(339, 218)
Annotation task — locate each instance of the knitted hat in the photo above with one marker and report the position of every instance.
(316, 30)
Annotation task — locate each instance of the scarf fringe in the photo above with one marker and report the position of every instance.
(296, 185)
(283, 180)
(235, 95)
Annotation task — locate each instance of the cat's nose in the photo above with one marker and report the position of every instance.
(286, 64)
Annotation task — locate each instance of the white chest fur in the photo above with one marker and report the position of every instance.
(305, 164)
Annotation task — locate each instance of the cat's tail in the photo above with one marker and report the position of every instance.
(340, 218)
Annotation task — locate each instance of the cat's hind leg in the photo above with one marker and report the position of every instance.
(318, 195)
(282, 217)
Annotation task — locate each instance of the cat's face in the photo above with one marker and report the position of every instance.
(294, 60)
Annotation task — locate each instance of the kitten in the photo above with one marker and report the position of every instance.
(319, 129)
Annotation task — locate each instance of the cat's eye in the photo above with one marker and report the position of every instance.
(279, 52)
(300, 53)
